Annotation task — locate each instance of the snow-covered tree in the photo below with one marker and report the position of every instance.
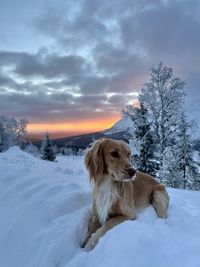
(163, 96)
(68, 151)
(47, 149)
(161, 127)
(21, 132)
(179, 168)
(32, 149)
(7, 137)
(56, 149)
(142, 139)
(71, 151)
(169, 174)
(184, 154)
(12, 132)
(79, 152)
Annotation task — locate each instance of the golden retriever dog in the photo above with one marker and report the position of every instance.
(119, 190)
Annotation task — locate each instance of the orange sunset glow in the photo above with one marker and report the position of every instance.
(72, 128)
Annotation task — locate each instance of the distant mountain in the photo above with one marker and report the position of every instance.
(120, 130)
(123, 125)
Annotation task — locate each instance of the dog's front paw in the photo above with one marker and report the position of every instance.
(91, 243)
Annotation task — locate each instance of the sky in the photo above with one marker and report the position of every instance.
(71, 66)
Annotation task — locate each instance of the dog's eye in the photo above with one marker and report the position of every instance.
(128, 155)
(114, 154)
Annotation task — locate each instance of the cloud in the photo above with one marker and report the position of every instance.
(56, 108)
(6, 81)
(123, 36)
(72, 27)
(116, 60)
(166, 30)
(98, 56)
(48, 65)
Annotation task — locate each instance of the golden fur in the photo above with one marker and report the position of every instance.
(119, 191)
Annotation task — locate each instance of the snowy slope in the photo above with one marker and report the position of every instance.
(44, 213)
(123, 125)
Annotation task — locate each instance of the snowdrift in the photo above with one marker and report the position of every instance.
(44, 212)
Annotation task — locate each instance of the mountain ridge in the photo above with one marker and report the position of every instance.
(120, 130)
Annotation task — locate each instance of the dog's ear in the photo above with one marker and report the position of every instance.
(94, 161)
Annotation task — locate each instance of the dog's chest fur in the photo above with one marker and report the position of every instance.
(105, 196)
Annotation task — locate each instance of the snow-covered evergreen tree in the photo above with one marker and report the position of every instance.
(163, 96)
(179, 168)
(79, 152)
(142, 139)
(32, 149)
(169, 174)
(184, 154)
(68, 151)
(47, 149)
(56, 149)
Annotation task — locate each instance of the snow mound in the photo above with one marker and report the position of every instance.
(45, 209)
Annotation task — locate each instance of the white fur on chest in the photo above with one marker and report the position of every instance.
(106, 196)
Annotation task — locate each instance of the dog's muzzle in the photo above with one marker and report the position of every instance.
(131, 175)
(125, 175)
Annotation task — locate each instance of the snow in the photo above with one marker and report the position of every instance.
(123, 125)
(44, 213)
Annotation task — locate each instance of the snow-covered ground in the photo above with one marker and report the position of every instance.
(44, 212)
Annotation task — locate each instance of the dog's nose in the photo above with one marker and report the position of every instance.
(131, 172)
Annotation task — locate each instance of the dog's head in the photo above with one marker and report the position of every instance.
(112, 157)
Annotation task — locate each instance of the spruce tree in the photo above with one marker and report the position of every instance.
(32, 149)
(47, 149)
(184, 155)
(142, 139)
(170, 174)
(179, 168)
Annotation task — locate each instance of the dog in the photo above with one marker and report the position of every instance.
(119, 190)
